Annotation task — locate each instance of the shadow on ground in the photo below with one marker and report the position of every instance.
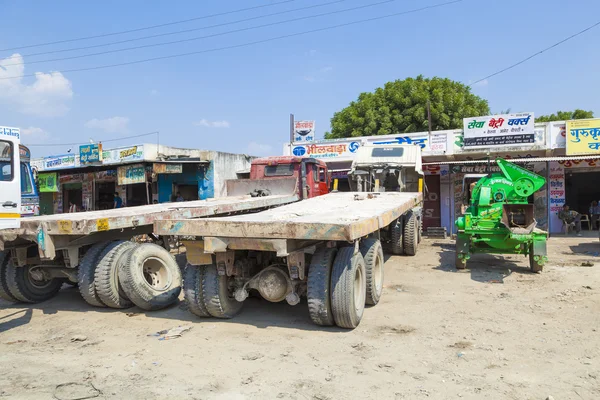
(256, 311)
(484, 268)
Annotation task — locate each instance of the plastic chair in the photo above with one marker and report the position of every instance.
(566, 227)
(585, 218)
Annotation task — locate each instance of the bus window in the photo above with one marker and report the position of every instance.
(26, 185)
(6, 160)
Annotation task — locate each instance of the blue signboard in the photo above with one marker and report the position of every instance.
(90, 153)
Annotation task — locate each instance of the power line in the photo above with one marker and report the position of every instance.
(538, 53)
(149, 27)
(178, 32)
(206, 36)
(249, 43)
(101, 141)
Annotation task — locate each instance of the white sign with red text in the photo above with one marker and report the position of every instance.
(304, 131)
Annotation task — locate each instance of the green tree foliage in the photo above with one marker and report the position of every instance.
(401, 107)
(565, 116)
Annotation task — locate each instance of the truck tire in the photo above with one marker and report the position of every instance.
(410, 234)
(25, 287)
(150, 277)
(218, 297)
(193, 292)
(108, 287)
(4, 293)
(319, 286)
(397, 229)
(459, 263)
(348, 288)
(86, 274)
(373, 254)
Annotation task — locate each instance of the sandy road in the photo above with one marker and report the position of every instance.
(495, 331)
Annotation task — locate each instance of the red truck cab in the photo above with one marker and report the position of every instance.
(312, 174)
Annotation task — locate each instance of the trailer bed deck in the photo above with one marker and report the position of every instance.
(85, 223)
(335, 216)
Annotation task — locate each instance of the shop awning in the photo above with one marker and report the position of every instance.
(517, 160)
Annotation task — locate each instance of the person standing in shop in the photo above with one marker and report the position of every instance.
(118, 201)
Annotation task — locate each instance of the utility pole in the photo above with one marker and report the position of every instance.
(429, 118)
(291, 128)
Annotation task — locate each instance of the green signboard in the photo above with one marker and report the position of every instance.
(48, 182)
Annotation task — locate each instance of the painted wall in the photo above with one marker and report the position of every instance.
(225, 167)
(192, 174)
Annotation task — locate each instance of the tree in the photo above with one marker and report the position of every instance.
(565, 116)
(401, 107)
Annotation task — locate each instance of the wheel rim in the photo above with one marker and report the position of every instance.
(359, 290)
(156, 274)
(37, 279)
(378, 273)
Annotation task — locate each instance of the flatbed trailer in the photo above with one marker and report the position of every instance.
(326, 248)
(53, 247)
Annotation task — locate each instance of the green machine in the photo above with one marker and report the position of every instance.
(499, 219)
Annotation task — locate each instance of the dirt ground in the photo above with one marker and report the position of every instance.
(495, 331)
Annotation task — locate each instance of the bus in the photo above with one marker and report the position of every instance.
(30, 198)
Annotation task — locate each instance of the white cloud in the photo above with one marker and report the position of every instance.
(257, 149)
(48, 96)
(109, 125)
(33, 133)
(213, 124)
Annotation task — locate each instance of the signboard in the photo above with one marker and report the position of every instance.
(109, 175)
(558, 135)
(326, 150)
(167, 168)
(557, 195)
(130, 174)
(499, 130)
(438, 142)
(48, 182)
(60, 162)
(70, 178)
(124, 154)
(14, 132)
(90, 153)
(583, 136)
(304, 131)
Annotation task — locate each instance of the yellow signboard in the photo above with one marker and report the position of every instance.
(583, 137)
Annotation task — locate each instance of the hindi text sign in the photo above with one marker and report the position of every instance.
(499, 130)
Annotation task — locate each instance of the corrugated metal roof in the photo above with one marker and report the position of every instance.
(517, 160)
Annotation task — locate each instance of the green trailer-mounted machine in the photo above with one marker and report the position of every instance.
(499, 219)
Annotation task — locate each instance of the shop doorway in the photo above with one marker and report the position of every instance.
(105, 192)
(432, 213)
(137, 195)
(189, 192)
(72, 193)
(46, 203)
(581, 190)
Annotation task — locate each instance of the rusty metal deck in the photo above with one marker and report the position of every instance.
(335, 216)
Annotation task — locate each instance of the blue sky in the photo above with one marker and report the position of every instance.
(239, 100)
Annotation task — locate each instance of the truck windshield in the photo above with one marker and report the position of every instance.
(6, 160)
(387, 152)
(26, 186)
(279, 170)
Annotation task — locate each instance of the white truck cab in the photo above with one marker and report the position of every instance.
(10, 178)
(395, 167)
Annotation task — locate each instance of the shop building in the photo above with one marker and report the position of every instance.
(141, 174)
(547, 149)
